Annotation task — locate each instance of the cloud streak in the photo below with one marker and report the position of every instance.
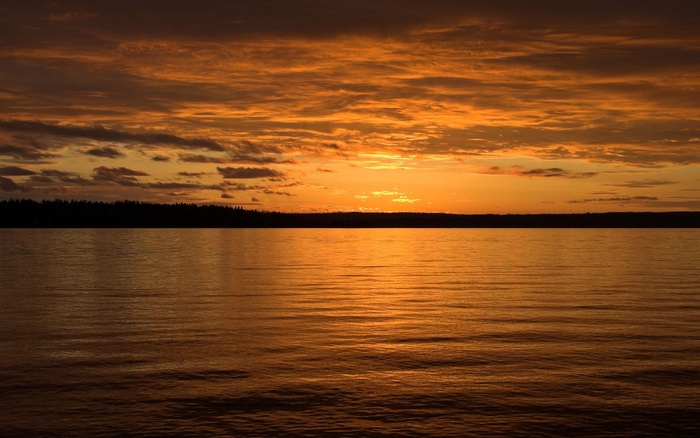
(551, 172)
(642, 184)
(249, 172)
(622, 200)
(101, 133)
(105, 152)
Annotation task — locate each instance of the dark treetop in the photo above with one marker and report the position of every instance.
(130, 214)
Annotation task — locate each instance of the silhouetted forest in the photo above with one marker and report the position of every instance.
(131, 214)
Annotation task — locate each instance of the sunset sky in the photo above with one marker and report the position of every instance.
(497, 106)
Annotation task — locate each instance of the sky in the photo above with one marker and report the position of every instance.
(498, 106)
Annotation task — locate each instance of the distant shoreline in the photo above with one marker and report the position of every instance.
(131, 214)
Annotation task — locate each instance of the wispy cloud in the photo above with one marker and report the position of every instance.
(405, 200)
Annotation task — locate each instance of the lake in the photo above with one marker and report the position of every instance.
(350, 332)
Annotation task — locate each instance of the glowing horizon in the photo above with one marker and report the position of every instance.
(510, 107)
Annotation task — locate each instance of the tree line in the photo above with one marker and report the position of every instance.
(25, 213)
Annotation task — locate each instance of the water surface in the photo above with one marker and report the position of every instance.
(370, 332)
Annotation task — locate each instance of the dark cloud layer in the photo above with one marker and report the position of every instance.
(207, 19)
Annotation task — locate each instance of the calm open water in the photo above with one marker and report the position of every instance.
(371, 332)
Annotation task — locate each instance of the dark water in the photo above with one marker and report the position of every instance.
(350, 332)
